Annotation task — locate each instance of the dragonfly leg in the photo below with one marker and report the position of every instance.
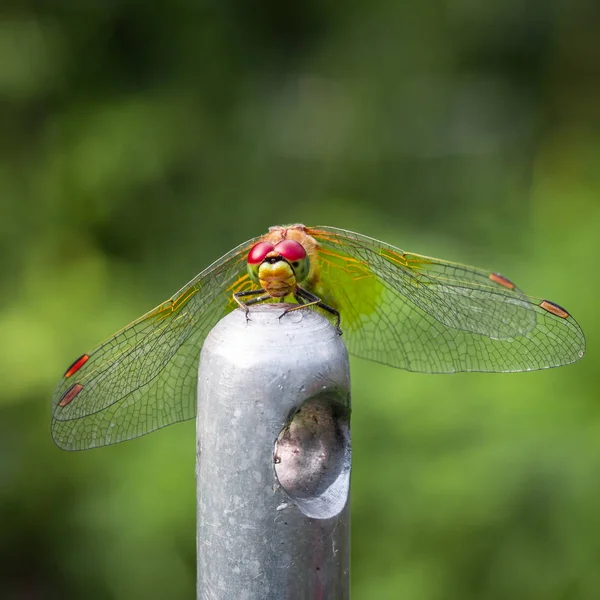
(244, 304)
(301, 304)
(303, 295)
(256, 300)
(248, 293)
(332, 311)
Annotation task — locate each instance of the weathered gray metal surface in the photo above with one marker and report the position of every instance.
(273, 411)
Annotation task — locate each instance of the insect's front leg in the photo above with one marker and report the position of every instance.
(245, 304)
(301, 294)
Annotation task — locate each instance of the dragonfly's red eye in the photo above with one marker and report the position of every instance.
(291, 250)
(258, 252)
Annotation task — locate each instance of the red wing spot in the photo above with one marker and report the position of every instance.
(555, 309)
(77, 365)
(501, 280)
(70, 394)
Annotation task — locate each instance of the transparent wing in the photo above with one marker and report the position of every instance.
(145, 376)
(424, 314)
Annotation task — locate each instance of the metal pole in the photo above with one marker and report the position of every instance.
(273, 458)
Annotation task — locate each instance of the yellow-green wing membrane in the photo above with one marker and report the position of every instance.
(424, 314)
(145, 376)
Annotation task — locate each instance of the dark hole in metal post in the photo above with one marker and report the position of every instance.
(312, 456)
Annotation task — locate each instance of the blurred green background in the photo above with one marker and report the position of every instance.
(143, 140)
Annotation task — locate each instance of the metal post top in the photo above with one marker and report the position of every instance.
(273, 330)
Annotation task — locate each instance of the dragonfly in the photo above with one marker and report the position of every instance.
(402, 309)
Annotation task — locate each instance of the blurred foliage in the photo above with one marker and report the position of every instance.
(143, 140)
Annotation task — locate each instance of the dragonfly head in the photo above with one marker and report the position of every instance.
(287, 262)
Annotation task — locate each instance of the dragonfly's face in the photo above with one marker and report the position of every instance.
(278, 268)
